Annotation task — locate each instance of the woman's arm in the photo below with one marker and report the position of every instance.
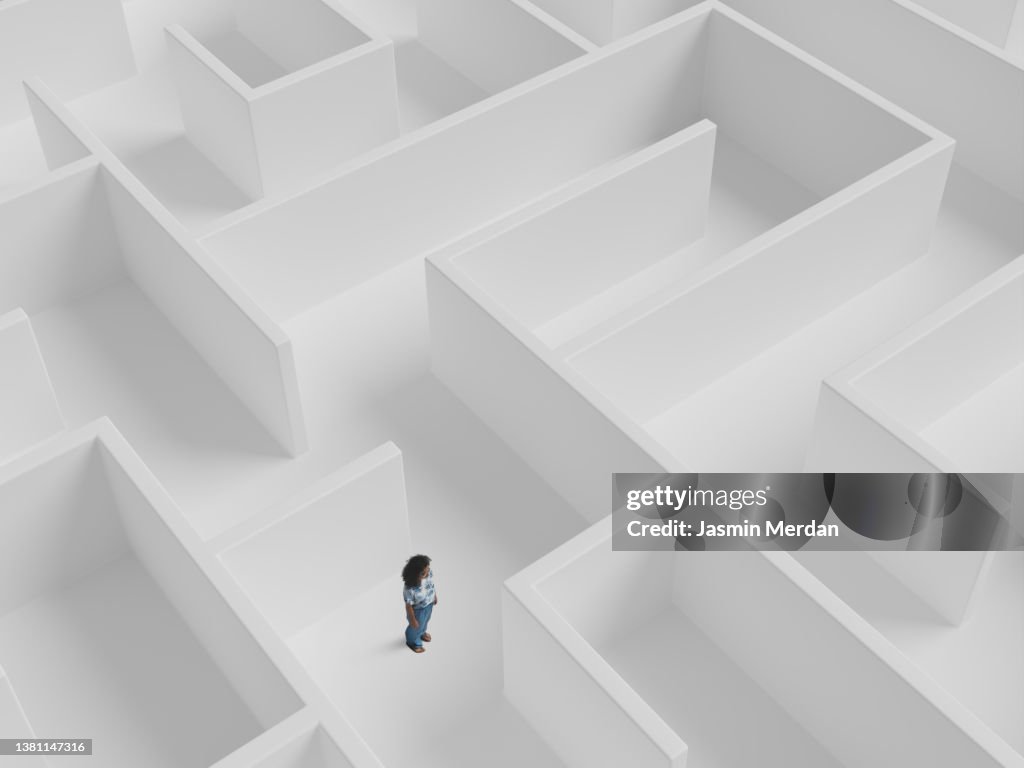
(412, 616)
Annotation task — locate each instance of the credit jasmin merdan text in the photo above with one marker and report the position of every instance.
(769, 529)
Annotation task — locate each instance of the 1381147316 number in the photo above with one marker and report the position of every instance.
(46, 746)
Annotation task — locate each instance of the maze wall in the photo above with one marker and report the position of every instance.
(292, 290)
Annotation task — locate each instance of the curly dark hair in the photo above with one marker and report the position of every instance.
(413, 568)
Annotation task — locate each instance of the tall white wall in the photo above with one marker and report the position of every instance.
(306, 126)
(605, 20)
(845, 438)
(634, 587)
(944, 581)
(252, 357)
(424, 192)
(216, 111)
(338, 540)
(789, 113)
(571, 442)
(495, 43)
(15, 725)
(57, 241)
(296, 33)
(251, 354)
(946, 365)
(808, 265)
(631, 15)
(829, 669)
(584, 711)
(60, 145)
(989, 19)
(252, 674)
(311, 750)
(28, 405)
(296, 742)
(870, 414)
(58, 521)
(272, 139)
(551, 618)
(613, 224)
(938, 83)
(76, 46)
(594, 19)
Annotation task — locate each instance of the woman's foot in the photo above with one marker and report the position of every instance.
(416, 648)
(426, 637)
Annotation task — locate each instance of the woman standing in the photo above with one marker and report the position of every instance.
(420, 599)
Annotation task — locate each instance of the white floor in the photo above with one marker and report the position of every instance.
(110, 659)
(443, 708)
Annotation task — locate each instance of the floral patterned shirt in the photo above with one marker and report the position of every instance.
(423, 595)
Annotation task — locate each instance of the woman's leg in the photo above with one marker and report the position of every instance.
(414, 635)
(427, 613)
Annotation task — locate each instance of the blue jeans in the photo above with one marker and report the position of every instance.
(414, 636)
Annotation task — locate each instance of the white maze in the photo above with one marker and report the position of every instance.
(292, 290)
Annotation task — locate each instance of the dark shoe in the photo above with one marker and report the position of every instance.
(416, 648)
